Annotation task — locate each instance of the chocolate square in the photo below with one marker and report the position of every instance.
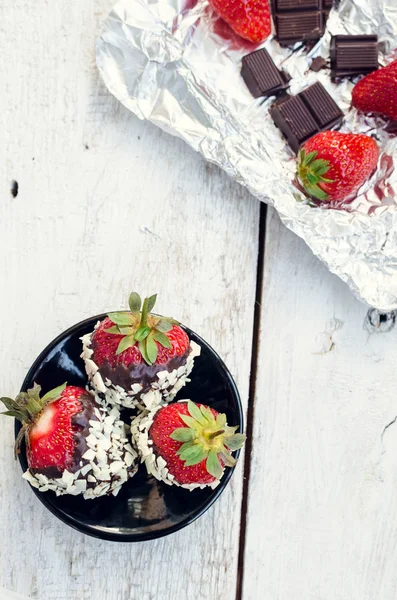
(302, 116)
(302, 26)
(353, 55)
(294, 120)
(283, 5)
(261, 74)
(300, 20)
(322, 106)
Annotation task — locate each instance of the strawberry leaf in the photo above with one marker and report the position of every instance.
(142, 350)
(21, 398)
(122, 319)
(164, 325)
(127, 342)
(53, 394)
(16, 414)
(9, 403)
(236, 441)
(162, 339)
(135, 303)
(183, 434)
(190, 421)
(207, 414)
(195, 412)
(316, 192)
(127, 330)
(33, 407)
(312, 179)
(227, 458)
(213, 465)
(193, 455)
(220, 420)
(151, 349)
(151, 301)
(320, 167)
(114, 330)
(142, 333)
(34, 392)
(184, 447)
(308, 158)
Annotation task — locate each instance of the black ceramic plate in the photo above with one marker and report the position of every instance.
(145, 508)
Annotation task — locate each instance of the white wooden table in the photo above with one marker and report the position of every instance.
(107, 204)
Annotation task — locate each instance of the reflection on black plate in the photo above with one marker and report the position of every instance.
(145, 508)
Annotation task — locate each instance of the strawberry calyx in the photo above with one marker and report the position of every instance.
(311, 171)
(141, 327)
(27, 407)
(208, 438)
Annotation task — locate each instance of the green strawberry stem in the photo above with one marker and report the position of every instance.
(141, 327)
(311, 171)
(212, 436)
(208, 438)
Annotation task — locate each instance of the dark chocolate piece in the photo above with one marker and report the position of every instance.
(322, 106)
(353, 55)
(302, 116)
(318, 63)
(261, 74)
(294, 120)
(300, 20)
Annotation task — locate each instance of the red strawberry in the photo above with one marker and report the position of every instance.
(250, 19)
(138, 339)
(332, 166)
(195, 442)
(51, 425)
(377, 92)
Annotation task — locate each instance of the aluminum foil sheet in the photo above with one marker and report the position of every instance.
(175, 63)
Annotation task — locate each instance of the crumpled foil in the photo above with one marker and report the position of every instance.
(175, 63)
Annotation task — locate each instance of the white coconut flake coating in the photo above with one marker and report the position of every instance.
(156, 465)
(107, 464)
(164, 389)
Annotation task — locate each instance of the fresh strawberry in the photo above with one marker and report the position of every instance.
(377, 92)
(250, 19)
(194, 441)
(332, 166)
(50, 424)
(133, 338)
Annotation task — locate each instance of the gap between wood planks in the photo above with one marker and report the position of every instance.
(251, 396)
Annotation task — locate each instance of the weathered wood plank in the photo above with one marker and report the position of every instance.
(322, 514)
(105, 204)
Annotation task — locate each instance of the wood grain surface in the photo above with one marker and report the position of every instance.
(107, 204)
(322, 511)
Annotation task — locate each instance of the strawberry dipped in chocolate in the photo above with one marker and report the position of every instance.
(138, 359)
(70, 449)
(187, 444)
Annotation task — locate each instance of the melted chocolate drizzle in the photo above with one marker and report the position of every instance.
(143, 374)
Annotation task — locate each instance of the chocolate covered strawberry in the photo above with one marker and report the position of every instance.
(72, 447)
(332, 166)
(250, 19)
(377, 92)
(137, 359)
(187, 444)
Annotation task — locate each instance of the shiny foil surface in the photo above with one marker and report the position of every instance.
(175, 63)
